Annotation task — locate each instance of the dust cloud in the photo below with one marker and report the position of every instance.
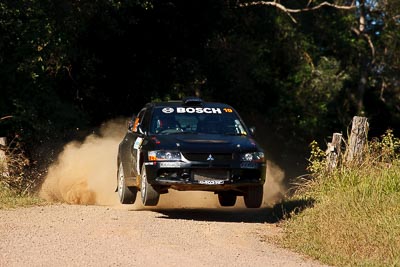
(274, 189)
(85, 174)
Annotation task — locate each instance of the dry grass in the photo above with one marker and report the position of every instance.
(355, 219)
(11, 199)
(16, 186)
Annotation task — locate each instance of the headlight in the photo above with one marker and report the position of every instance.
(253, 156)
(164, 155)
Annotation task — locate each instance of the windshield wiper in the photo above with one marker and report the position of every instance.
(188, 132)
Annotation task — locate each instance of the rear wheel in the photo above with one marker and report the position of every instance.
(254, 196)
(127, 195)
(149, 195)
(227, 199)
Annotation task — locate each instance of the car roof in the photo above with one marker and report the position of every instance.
(180, 103)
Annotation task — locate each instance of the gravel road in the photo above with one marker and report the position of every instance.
(120, 235)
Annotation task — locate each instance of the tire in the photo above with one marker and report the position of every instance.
(227, 199)
(127, 195)
(149, 195)
(254, 196)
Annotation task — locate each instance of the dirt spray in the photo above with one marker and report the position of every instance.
(85, 172)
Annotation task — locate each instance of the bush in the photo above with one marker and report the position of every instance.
(13, 172)
(17, 180)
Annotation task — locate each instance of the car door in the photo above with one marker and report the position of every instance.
(138, 138)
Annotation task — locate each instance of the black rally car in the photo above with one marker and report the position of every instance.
(190, 145)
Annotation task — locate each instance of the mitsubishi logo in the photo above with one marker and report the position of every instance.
(210, 157)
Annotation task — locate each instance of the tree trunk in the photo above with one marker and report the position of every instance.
(334, 152)
(3, 160)
(357, 140)
(365, 60)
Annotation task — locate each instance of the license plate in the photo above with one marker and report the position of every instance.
(170, 165)
(211, 182)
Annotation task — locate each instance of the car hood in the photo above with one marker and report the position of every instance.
(201, 143)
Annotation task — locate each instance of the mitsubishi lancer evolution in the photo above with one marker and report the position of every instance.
(190, 145)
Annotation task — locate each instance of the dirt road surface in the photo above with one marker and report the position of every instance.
(72, 235)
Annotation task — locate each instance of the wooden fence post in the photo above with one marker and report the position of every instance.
(357, 140)
(3, 159)
(334, 152)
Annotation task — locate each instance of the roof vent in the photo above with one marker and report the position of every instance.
(192, 101)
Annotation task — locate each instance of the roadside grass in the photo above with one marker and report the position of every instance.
(12, 199)
(355, 216)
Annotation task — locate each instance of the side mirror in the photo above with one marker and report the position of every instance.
(131, 123)
(252, 131)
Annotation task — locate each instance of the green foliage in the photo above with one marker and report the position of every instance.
(312, 99)
(33, 54)
(317, 159)
(387, 149)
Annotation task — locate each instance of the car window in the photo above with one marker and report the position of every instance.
(166, 120)
(188, 122)
(146, 119)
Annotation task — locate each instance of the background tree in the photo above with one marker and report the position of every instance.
(298, 70)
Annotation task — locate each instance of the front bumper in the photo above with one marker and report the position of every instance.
(205, 176)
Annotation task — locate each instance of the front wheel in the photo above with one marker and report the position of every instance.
(127, 195)
(149, 195)
(254, 196)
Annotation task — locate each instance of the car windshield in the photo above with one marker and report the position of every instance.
(199, 120)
